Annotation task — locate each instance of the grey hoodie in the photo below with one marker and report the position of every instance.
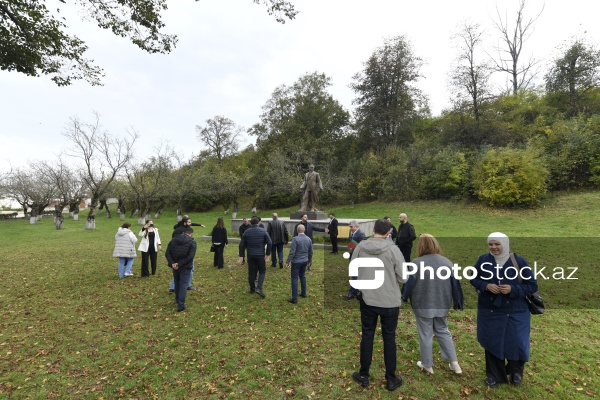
(388, 295)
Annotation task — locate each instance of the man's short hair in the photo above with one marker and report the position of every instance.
(255, 220)
(353, 223)
(185, 219)
(300, 228)
(332, 214)
(382, 227)
(187, 230)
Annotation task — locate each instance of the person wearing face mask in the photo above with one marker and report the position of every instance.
(503, 318)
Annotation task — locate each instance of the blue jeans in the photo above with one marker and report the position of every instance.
(276, 249)
(125, 266)
(389, 323)
(172, 285)
(181, 277)
(298, 271)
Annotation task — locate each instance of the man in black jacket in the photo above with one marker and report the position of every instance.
(406, 237)
(308, 228)
(180, 255)
(258, 243)
(279, 237)
(332, 230)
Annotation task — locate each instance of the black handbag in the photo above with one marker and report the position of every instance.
(212, 248)
(534, 301)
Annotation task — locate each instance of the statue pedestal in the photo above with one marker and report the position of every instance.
(312, 215)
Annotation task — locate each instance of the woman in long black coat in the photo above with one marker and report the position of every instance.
(503, 318)
(219, 241)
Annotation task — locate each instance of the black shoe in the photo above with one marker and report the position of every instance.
(171, 291)
(180, 309)
(348, 296)
(280, 264)
(491, 383)
(303, 295)
(274, 265)
(293, 301)
(251, 291)
(516, 379)
(393, 384)
(260, 293)
(363, 380)
(191, 288)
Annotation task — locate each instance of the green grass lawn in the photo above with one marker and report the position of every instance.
(69, 328)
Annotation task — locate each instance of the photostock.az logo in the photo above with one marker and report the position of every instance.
(366, 262)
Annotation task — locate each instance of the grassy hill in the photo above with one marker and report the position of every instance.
(70, 328)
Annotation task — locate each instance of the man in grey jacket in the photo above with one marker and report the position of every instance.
(279, 236)
(301, 252)
(380, 303)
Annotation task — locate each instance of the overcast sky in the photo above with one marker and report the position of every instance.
(231, 55)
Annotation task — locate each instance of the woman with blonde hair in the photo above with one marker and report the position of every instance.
(431, 298)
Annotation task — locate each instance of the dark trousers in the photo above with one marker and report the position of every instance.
(218, 258)
(276, 250)
(256, 265)
(182, 281)
(334, 244)
(145, 256)
(406, 253)
(389, 323)
(298, 272)
(499, 370)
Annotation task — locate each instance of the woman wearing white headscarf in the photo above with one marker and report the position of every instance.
(503, 319)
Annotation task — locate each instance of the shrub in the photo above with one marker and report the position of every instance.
(510, 177)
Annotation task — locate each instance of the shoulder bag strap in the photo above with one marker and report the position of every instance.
(516, 265)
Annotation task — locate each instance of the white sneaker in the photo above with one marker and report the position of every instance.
(455, 367)
(128, 274)
(429, 370)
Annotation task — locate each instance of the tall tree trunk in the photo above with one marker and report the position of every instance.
(91, 219)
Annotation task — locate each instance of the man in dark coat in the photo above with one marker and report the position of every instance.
(258, 243)
(180, 256)
(332, 230)
(279, 236)
(308, 228)
(243, 228)
(406, 237)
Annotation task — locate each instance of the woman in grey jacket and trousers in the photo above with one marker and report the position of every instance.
(431, 299)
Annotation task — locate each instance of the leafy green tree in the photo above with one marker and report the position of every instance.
(303, 121)
(507, 177)
(572, 152)
(446, 176)
(573, 74)
(388, 103)
(34, 41)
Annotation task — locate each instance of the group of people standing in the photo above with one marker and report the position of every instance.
(503, 317)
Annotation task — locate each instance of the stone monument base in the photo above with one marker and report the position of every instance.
(312, 215)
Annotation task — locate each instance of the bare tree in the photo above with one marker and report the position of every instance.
(220, 135)
(103, 157)
(513, 39)
(31, 189)
(67, 184)
(148, 180)
(470, 76)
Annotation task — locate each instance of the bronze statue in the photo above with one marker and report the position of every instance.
(311, 185)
